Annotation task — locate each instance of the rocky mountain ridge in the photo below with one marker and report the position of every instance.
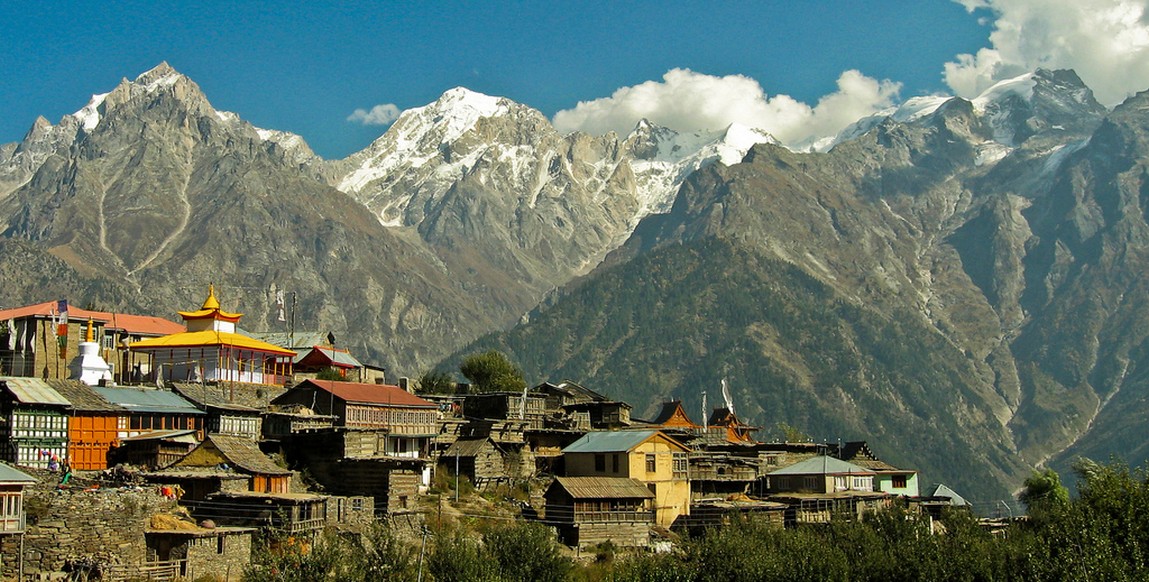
(475, 204)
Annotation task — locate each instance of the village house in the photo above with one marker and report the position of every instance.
(601, 412)
(482, 460)
(405, 423)
(93, 425)
(887, 478)
(648, 456)
(591, 510)
(211, 466)
(35, 341)
(212, 351)
(12, 515)
(229, 410)
(148, 409)
(820, 487)
(35, 428)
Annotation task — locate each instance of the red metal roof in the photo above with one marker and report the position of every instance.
(136, 324)
(362, 393)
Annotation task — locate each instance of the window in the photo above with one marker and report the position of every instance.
(614, 461)
(898, 481)
(600, 463)
(681, 465)
(651, 463)
(810, 483)
(771, 461)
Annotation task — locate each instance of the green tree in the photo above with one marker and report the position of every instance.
(330, 373)
(492, 371)
(526, 551)
(1043, 492)
(436, 382)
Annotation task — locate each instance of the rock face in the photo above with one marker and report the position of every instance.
(456, 222)
(970, 269)
(1009, 229)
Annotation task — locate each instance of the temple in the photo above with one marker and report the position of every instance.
(211, 351)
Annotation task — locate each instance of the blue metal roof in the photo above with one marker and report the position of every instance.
(822, 465)
(147, 400)
(609, 441)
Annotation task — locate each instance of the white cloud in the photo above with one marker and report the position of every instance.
(687, 101)
(383, 114)
(1105, 41)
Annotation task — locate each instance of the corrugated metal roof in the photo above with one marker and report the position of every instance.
(468, 447)
(34, 391)
(147, 400)
(135, 324)
(609, 441)
(8, 474)
(822, 465)
(604, 487)
(360, 393)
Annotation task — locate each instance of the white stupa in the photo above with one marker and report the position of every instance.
(89, 367)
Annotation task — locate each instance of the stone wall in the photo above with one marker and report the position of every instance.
(99, 525)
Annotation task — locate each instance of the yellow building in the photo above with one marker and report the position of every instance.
(649, 456)
(211, 351)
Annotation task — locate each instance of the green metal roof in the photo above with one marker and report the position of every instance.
(822, 465)
(147, 400)
(609, 441)
(11, 475)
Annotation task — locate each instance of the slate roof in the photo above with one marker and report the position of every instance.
(618, 441)
(82, 397)
(822, 465)
(239, 452)
(571, 389)
(468, 447)
(604, 488)
(147, 400)
(300, 340)
(859, 453)
(227, 397)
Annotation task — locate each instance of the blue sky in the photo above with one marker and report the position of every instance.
(307, 67)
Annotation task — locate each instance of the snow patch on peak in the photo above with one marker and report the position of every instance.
(1021, 86)
(738, 140)
(916, 108)
(89, 116)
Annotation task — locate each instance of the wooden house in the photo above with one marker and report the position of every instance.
(482, 460)
(649, 456)
(12, 484)
(147, 409)
(508, 406)
(153, 449)
(734, 430)
(592, 510)
(573, 400)
(316, 359)
(887, 478)
(352, 462)
(93, 425)
(34, 431)
(406, 422)
(292, 513)
(227, 410)
(32, 346)
(821, 474)
(236, 454)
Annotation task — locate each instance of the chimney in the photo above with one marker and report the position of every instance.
(380, 381)
(405, 383)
